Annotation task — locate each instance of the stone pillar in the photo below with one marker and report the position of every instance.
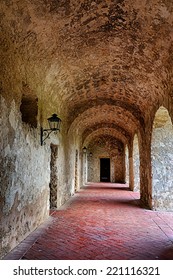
(131, 172)
(84, 169)
(119, 168)
(145, 168)
(162, 161)
(127, 164)
(76, 181)
(136, 163)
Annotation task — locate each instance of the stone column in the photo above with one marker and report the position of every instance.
(162, 161)
(85, 168)
(145, 168)
(127, 164)
(131, 172)
(136, 163)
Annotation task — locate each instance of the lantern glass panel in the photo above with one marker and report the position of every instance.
(54, 122)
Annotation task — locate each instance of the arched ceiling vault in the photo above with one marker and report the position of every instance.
(106, 114)
(111, 126)
(107, 132)
(109, 143)
(82, 107)
(93, 62)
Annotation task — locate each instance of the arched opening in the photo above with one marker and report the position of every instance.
(136, 164)
(162, 161)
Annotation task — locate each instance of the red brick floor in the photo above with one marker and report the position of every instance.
(102, 221)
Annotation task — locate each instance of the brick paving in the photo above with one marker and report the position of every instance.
(103, 221)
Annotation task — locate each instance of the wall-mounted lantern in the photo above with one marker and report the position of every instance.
(90, 154)
(54, 124)
(84, 149)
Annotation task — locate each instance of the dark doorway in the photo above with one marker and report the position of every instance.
(105, 169)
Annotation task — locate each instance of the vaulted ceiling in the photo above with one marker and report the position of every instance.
(102, 65)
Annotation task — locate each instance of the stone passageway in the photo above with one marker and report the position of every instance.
(86, 95)
(102, 221)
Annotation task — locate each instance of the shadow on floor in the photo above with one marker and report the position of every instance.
(104, 202)
(106, 187)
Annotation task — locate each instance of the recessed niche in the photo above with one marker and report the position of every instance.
(29, 109)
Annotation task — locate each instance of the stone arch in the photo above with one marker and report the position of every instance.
(84, 106)
(162, 161)
(107, 132)
(96, 115)
(106, 143)
(105, 125)
(136, 163)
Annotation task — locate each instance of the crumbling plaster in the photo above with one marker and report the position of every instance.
(24, 181)
(25, 176)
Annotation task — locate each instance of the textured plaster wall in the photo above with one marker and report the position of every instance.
(25, 175)
(162, 161)
(94, 163)
(136, 163)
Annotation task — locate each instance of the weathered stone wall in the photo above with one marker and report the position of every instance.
(162, 161)
(136, 163)
(93, 163)
(25, 168)
(25, 175)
